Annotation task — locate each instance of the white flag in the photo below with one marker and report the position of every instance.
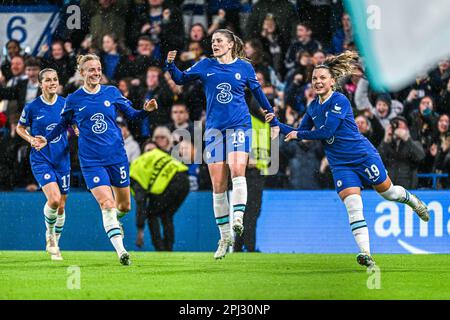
(400, 39)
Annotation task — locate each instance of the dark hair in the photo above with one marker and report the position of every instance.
(145, 38)
(33, 62)
(13, 41)
(304, 24)
(43, 72)
(238, 46)
(198, 24)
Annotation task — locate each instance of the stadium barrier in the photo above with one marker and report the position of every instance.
(290, 221)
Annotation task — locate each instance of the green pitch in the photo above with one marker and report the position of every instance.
(31, 275)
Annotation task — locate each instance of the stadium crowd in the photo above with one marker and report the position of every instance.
(283, 40)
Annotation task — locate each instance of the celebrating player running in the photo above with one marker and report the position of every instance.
(101, 151)
(353, 159)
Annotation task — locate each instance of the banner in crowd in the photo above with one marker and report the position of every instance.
(32, 26)
(400, 39)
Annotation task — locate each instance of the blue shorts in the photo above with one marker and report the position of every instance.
(218, 144)
(45, 174)
(116, 175)
(368, 173)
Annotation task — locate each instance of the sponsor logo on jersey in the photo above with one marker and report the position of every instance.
(336, 109)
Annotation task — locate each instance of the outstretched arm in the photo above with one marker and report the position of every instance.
(125, 105)
(306, 124)
(265, 104)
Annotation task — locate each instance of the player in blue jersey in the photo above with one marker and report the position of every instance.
(228, 124)
(51, 165)
(353, 159)
(101, 151)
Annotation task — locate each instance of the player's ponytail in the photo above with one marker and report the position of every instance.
(82, 59)
(341, 65)
(238, 45)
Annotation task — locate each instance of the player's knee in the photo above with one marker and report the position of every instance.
(219, 186)
(124, 206)
(54, 201)
(106, 204)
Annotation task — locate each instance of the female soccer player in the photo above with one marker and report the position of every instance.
(228, 124)
(101, 149)
(50, 166)
(353, 159)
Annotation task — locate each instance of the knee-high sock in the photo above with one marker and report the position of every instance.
(239, 198)
(59, 227)
(400, 194)
(354, 206)
(50, 218)
(112, 229)
(222, 213)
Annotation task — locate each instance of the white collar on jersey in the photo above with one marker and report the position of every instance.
(46, 102)
(96, 91)
(234, 60)
(318, 98)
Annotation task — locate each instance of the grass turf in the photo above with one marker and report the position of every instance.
(181, 275)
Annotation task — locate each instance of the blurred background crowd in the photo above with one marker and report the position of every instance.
(283, 39)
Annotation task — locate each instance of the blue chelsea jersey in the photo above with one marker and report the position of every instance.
(42, 117)
(347, 145)
(224, 88)
(100, 142)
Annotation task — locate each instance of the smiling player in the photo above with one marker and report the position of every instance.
(228, 124)
(354, 161)
(103, 159)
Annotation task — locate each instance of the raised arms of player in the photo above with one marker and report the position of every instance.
(178, 76)
(125, 105)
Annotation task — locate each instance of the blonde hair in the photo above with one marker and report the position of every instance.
(341, 65)
(82, 59)
(163, 131)
(238, 45)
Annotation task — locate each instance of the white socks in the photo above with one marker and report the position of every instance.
(239, 197)
(112, 229)
(400, 194)
(50, 218)
(354, 206)
(59, 226)
(222, 214)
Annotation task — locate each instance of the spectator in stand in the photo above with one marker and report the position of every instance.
(343, 37)
(131, 146)
(318, 57)
(164, 24)
(146, 57)
(273, 43)
(421, 88)
(13, 50)
(155, 88)
(283, 11)
(192, 55)
(64, 63)
(440, 76)
(229, 19)
(105, 16)
(25, 90)
(304, 160)
(180, 121)
(162, 137)
(303, 42)
(350, 84)
(113, 60)
(198, 33)
(187, 156)
(401, 154)
(370, 127)
(439, 149)
(17, 68)
(423, 129)
(300, 74)
(259, 58)
(444, 105)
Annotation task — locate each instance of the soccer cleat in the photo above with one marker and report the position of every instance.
(222, 250)
(365, 260)
(238, 226)
(125, 259)
(422, 210)
(51, 245)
